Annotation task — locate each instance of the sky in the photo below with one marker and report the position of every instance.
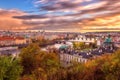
(60, 15)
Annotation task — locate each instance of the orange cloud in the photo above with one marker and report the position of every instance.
(67, 15)
(103, 23)
(7, 22)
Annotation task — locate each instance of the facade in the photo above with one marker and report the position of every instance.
(20, 41)
(70, 58)
(83, 39)
(7, 40)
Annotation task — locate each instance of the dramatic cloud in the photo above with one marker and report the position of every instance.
(69, 15)
(7, 22)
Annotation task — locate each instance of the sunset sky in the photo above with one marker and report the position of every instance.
(60, 15)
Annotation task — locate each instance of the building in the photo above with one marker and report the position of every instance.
(71, 58)
(7, 40)
(83, 39)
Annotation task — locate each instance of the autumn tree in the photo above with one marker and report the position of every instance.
(28, 59)
(111, 67)
(41, 65)
(46, 66)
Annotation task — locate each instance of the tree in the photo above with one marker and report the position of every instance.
(111, 67)
(10, 70)
(79, 45)
(28, 58)
(38, 63)
(50, 63)
(46, 66)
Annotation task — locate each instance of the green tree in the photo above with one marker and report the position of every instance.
(10, 69)
(79, 45)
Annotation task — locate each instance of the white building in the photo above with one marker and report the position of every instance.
(71, 58)
(83, 39)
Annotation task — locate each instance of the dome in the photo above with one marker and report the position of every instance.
(108, 40)
(63, 47)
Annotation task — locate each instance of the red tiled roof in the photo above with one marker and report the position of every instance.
(2, 38)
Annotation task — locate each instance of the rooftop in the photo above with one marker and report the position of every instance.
(2, 38)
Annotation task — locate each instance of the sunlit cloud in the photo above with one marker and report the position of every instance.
(68, 15)
(7, 22)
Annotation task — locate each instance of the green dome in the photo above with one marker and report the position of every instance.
(108, 40)
(63, 47)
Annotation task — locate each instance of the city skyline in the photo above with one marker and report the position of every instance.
(60, 15)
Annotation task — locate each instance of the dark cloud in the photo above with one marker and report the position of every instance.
(30, 16)
(58, 5)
